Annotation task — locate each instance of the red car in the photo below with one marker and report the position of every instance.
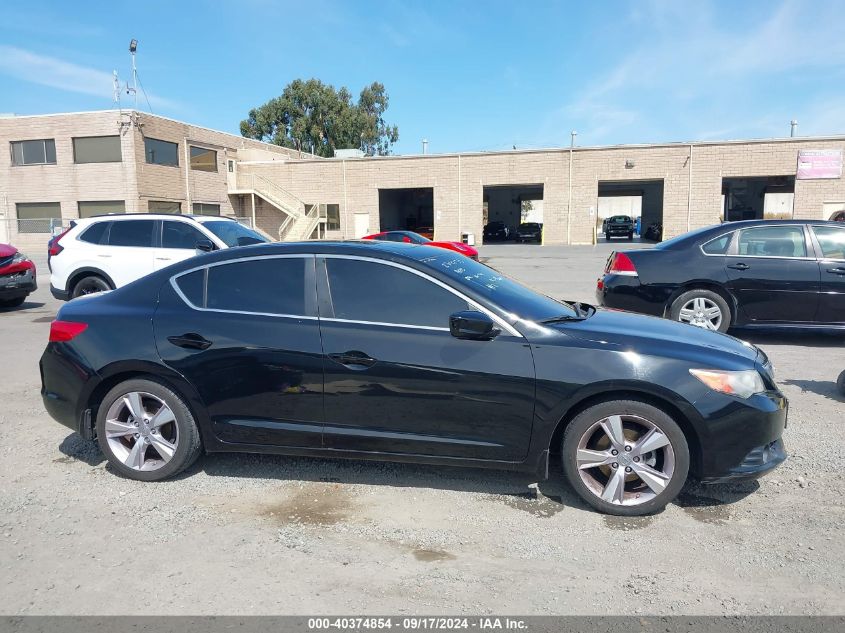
(415, 238)
(17, 276)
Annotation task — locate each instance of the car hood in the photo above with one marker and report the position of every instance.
(662, 337)
(7, 250)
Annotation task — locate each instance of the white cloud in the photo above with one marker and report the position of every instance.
(57, 73)
(701, 72)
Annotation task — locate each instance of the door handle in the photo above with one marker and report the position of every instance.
(103, 255)
(836, 271)
(190, 341)
(353, 357)
(163, 259)
(739, 266)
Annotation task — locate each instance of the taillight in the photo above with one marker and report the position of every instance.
(621, 264)
(62, 331)
(53, 247)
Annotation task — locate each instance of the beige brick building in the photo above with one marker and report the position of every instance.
(165, 165)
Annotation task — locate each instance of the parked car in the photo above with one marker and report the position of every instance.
(529, 232)
(381, 350)
(838, 216)
(109, 251)
(496, 232)
(754, 273)
(17, 277)
(409, 237)
(619, 226)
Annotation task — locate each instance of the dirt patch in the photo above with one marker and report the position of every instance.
(538, 506)
(432, 555)
(704, 509)
(323, 505)
(626, 524)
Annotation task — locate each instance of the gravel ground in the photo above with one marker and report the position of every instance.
(277, 535)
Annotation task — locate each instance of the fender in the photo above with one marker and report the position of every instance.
(91, 270)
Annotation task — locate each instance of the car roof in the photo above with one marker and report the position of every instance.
(154, 216)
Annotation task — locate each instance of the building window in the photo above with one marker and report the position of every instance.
(38, 217)
(203, 159)
(332, 217)
(203, 208)
(97, 149)
(231, 166)
(101, 207)
(40, 152)
(164, 206)
(161, 152)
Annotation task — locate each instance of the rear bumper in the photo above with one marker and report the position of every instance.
(625, 292)
(61, 295)
(65, 381)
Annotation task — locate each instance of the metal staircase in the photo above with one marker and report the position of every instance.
(300, 218)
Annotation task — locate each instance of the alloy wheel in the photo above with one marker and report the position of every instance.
(625, 460)
(141, 431)
(701, 312)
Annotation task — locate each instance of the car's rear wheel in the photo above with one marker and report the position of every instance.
(89, 285)
(630, 236)
(607, 236)
(625, 457)
(147, 431)
(702, 308)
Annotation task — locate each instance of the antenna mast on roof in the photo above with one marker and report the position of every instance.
(133, 89)
(116, 89)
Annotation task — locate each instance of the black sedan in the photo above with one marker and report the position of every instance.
(410, 353)
(496, 232)
(757, 273)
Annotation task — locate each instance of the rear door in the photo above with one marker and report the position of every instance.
(773, 274)
(830, 246)
(178, 242)
(245, 334)
(397, 381)
(128, 252)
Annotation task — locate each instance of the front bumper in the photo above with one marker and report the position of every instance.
(759, 461)
(18, 284)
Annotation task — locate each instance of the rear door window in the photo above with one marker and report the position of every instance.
(773, 241)
(137, 233)
(263, 286)
(832, 241)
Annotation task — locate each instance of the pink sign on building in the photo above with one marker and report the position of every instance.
(819, 163)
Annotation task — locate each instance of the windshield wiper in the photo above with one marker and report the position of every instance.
(564, 317)
(582, 311)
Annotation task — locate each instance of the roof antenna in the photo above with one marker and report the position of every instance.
(115, 89)
(133, 89)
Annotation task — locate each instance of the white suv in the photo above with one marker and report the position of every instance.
(106, 252)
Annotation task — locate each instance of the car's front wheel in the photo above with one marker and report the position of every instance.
(147, 431)
(12, 303)
(841, 382)
(625, 457)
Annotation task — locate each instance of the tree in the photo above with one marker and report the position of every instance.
(315, 117)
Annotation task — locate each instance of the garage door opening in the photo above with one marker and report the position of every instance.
(642, 200)
(407, 210)
(507, 207)
(766, 197)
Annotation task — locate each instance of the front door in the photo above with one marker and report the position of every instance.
(396, 381)
(245, 334)
(830, 242)
(773, 274)
(178, 242)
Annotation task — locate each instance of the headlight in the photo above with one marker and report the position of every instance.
(19, 257)
(735, 383)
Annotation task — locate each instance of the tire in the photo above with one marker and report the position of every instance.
(630, 236)
(118, 441)
(841, 382)
(607, 236)
(592, 483)
(695, 307)
(12, 303)
(89, 284)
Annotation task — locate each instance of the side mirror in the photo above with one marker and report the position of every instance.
(473, 326)
(204, 246)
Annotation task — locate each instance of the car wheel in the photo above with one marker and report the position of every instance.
(146, 431)
(89, 285)
(12, 303)
(625, 457)
(630, 236)
(702, 308)
(607, 236)
(841, 382)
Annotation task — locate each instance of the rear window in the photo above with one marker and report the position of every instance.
(192, 286)
(132, 233)
(94, 234)
(719, 246)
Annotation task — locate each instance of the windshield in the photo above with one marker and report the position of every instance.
(234, 233)
(620, 219)
(506, 293)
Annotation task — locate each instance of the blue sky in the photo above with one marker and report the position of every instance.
(468, 76)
